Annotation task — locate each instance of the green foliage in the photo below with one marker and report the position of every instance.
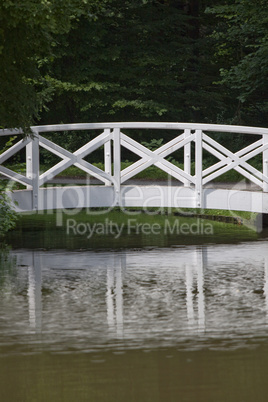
(153, 144)
(7, 215)
(121, 60)
(8, 144)
(139, 60)
(28, 31)
(242, 50)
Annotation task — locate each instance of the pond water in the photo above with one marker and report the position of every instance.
(187, 322)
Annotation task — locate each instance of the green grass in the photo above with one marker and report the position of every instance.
(151, 173)
(150, 215)
(220, 212)
(51, 230)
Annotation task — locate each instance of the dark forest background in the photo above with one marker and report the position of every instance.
(69, 61)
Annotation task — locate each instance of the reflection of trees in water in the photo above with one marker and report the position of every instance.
(265, 288)
(8, 268)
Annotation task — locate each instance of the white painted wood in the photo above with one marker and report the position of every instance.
(32, 169)
(265, 163)
(14, 149)
(147, 125)
(55, 170)
(162, 164)
(117, 162)
(148, 158)
(94, 171)
(141, 196)
(233, 161)
(75, 158)
(163, 151)
(225, 159)
(67, 159)
(187, 157)
(135, 146)
(250, 147)
(108, 158)
(156, 158)
(13, 131)
(227, 164)
(19, 178)
(66, 197)
(111, 135)
(94, 144)
(134, 169)
(29, 163)
(174, 145)
(198, 169)
(174, 171)
(54, 148)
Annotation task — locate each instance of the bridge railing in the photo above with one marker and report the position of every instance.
(113, 138)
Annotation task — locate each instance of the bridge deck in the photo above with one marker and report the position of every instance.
(144, 195)
(243, 185)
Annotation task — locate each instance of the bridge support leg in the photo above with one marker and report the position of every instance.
(32, 169)
(265, 163)
(117, 165)
(198, 169)
(107, 158)
(187, 158)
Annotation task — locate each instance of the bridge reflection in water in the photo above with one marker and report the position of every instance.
(136, 297)
(114, 295)
(35, 291)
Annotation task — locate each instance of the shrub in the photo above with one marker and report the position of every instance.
(8, 216)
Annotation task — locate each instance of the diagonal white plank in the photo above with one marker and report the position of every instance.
(157, 157)
(236, 161)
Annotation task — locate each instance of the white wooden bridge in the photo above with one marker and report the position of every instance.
(191, 190)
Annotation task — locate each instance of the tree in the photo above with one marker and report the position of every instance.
(28, 44)
(139, 60)
(95, 60)
(242, 49)
(8, 216)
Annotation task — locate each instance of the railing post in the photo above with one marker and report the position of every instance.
(32, 168)
(107, 158)
(198, 168)
(117, 163)
(187, 157)
(265, 162)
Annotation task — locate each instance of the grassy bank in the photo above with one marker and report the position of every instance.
(133, 228)
(58, 219)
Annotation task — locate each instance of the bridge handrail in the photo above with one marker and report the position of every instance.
(141, 125)
(112, 139)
